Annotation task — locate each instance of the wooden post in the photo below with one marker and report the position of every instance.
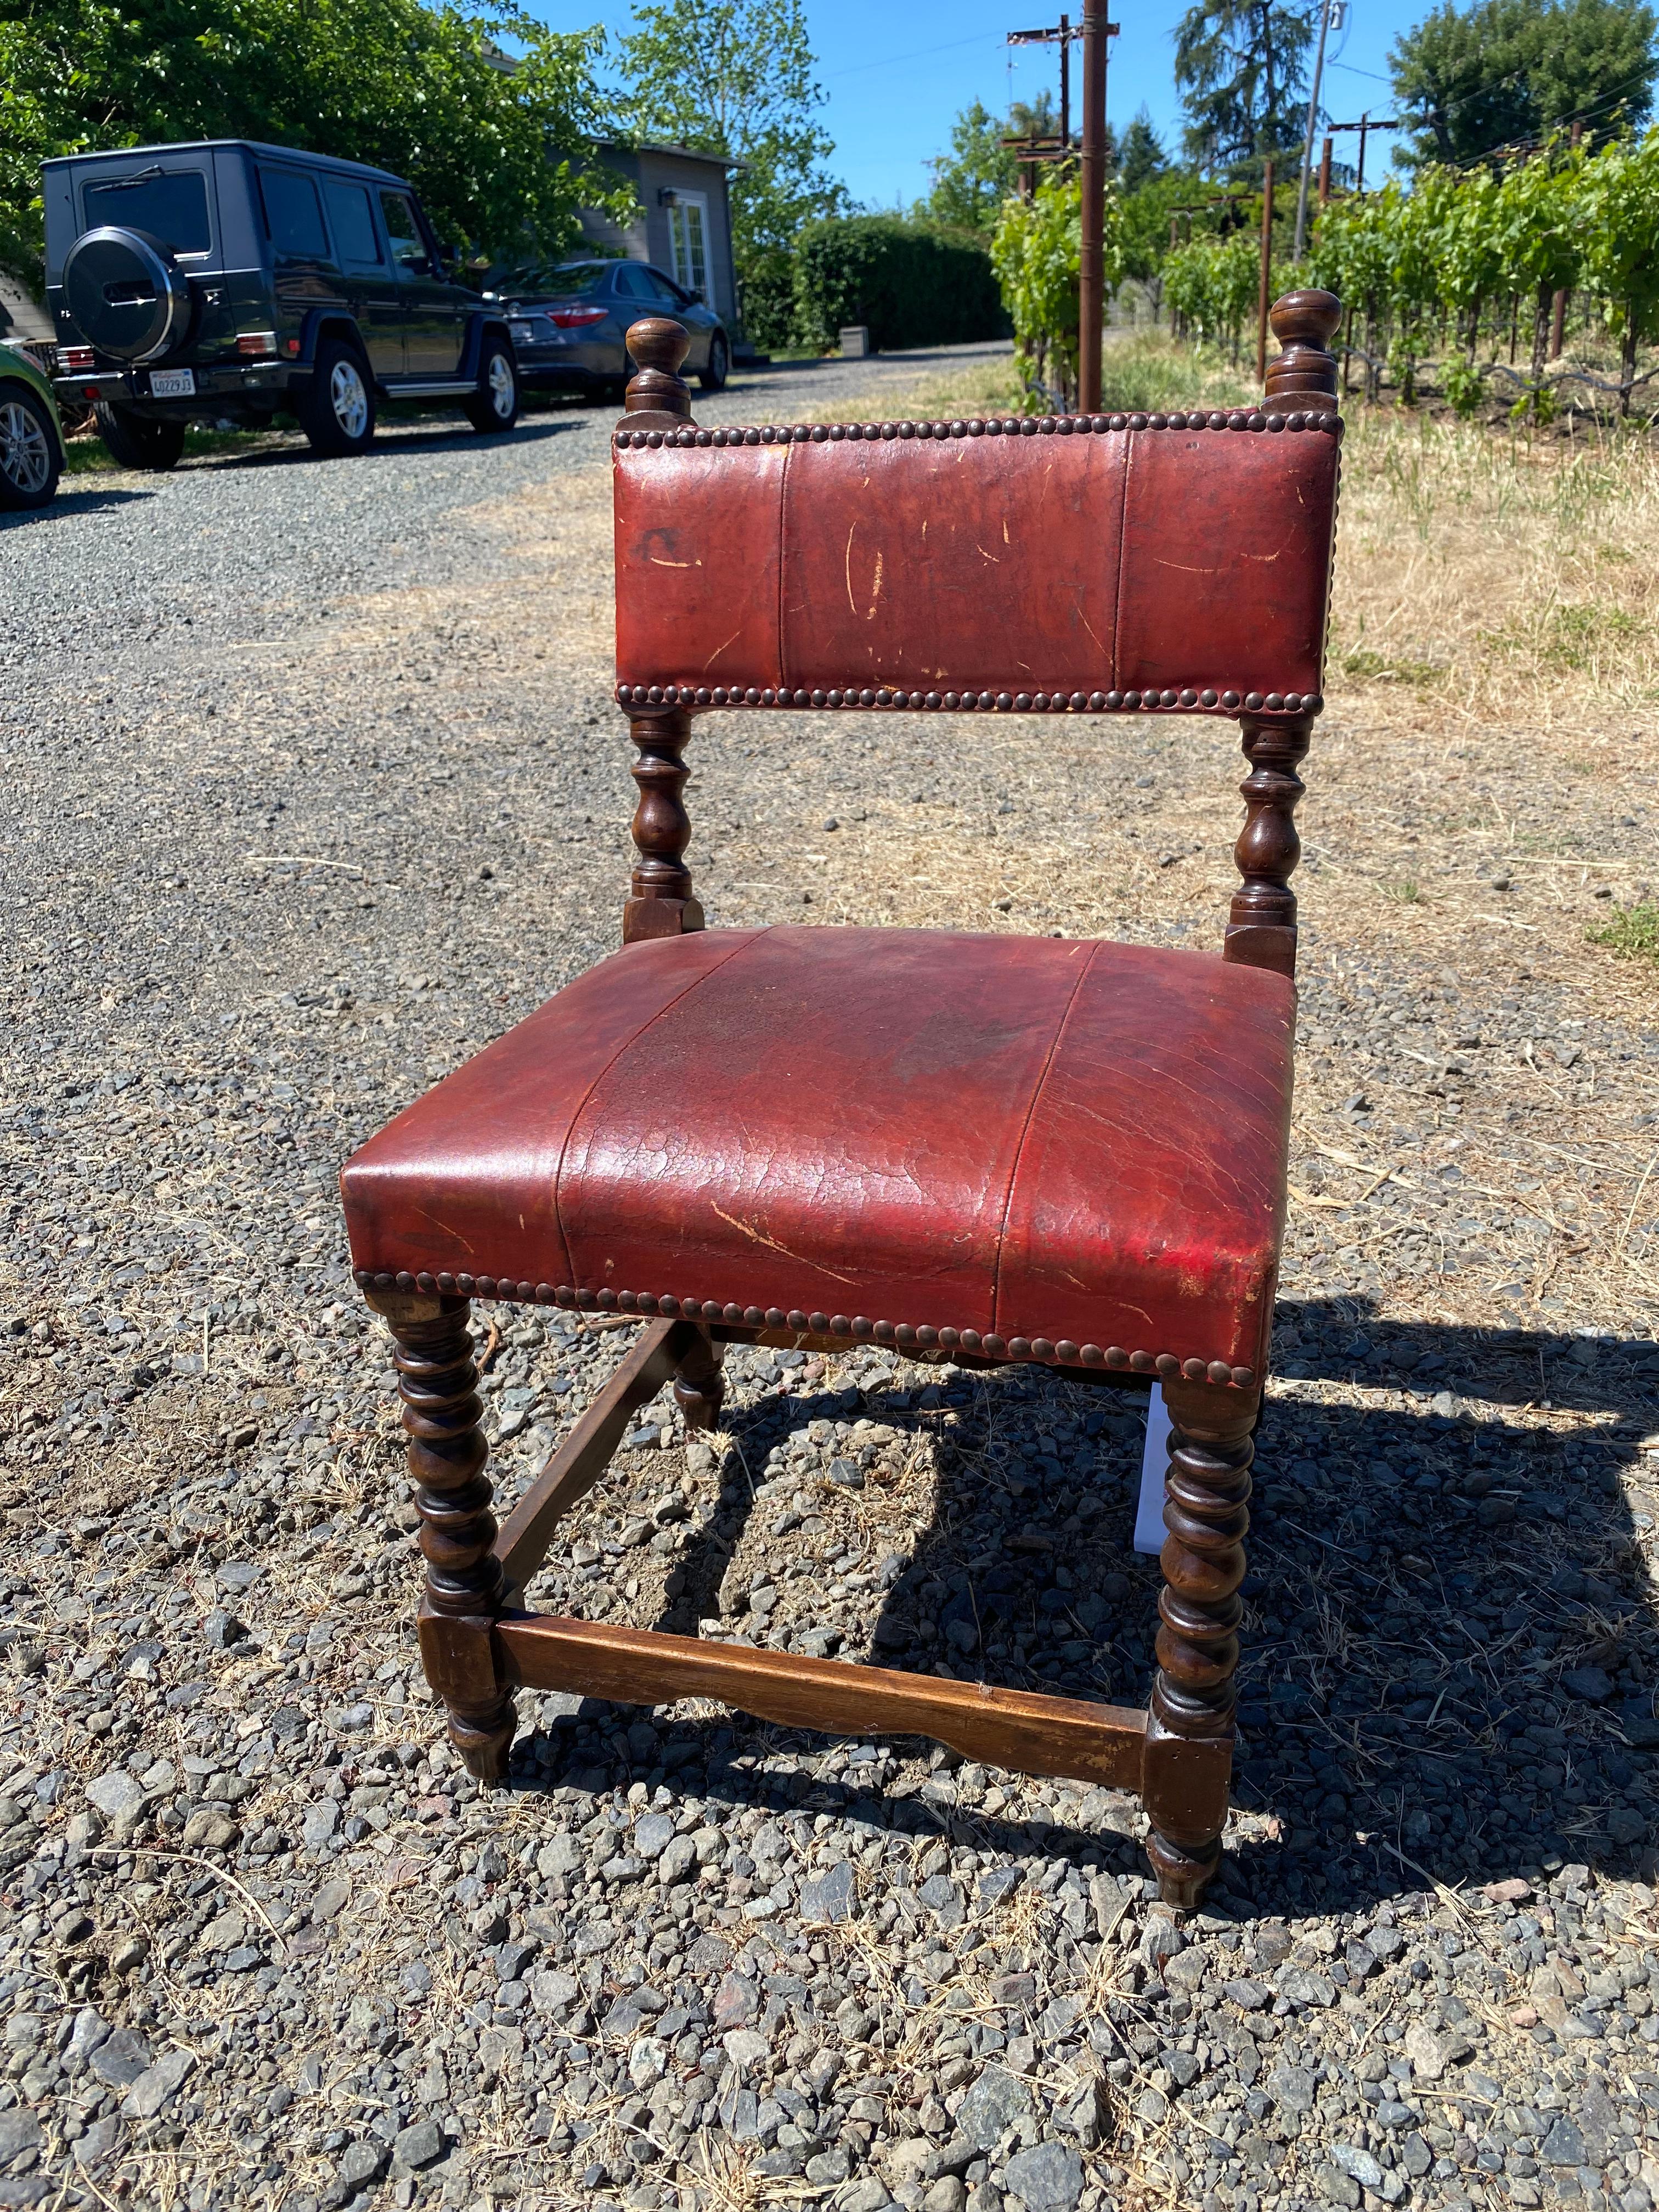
(1091, 303)
(1325, 174)
(1359, 174)
(1264, 300)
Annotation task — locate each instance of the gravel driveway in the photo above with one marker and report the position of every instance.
(314, 786)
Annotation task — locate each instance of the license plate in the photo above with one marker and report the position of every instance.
(173, 384)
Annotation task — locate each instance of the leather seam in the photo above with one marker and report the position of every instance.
(1025, 1131)
(1122, 556)
(783, 682)
(626, 1046)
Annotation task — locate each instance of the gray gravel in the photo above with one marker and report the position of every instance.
(263, 1944)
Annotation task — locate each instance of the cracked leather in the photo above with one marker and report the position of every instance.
(1117, 560)
(1026, 1136)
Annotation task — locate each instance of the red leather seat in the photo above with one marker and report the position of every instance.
(1069, 1150)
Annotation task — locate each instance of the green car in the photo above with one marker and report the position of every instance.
(31, 435)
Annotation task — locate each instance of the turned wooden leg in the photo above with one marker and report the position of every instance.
(465, 1590)
(699, 1384)
(1189, 1738)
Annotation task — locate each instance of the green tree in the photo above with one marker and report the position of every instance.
(500, 155)
(971, 180)
(1618, 209)
(735, 77)
(1142, 157)
(1035, 118)
(1146, 214)
(1213, 284)
(1509, 71)
(1241, 69)
(1037, 254)
(1536, 228)
(1463, 218)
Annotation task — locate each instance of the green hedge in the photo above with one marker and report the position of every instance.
(909, 286)
(766, 298)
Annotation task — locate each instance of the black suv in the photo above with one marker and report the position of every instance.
(223, 280)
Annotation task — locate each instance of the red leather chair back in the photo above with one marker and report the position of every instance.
(1076, 563)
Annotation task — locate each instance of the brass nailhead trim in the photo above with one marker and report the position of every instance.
(1188, 700)
(904, 1334)
(993, 426)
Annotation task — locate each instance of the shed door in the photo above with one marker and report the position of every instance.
(688, 232)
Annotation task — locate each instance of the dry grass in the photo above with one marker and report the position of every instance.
(1498, 576)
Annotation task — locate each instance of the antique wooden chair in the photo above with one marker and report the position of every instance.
(984, 1149)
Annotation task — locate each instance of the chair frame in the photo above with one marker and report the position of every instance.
(479, 1643)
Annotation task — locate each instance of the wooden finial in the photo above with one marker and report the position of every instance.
(658, 345)
(1302, 322)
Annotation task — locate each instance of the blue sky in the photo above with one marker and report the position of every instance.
(894, 78)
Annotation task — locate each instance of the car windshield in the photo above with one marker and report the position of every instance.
(170, 204)
(565, 283)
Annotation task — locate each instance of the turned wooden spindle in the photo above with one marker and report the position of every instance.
(1261, 922)
(1190, 1725)
(657, 346)
(1305, 369)
(661, 904)
(442, 1417)
(1261, 925)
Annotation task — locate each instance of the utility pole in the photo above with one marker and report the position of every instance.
(1265, 291)
(1363, 127)
(1063, 34)
(1091, 300)
(1091, 303)
(1327, 9)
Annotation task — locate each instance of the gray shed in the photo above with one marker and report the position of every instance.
(684, 223)
(21, 321)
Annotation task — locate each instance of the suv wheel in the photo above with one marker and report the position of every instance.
(338, 412)
(136, 443)
(29, 449)
(713, 378)
(496, 406)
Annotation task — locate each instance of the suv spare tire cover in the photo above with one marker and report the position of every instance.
(127, 294)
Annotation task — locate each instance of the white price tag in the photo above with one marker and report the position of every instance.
(1149, 1531)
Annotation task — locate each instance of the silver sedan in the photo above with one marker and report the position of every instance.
(570, 322)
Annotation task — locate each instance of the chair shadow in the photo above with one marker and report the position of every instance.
(1450, 1643)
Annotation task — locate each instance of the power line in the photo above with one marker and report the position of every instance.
(921, 53)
